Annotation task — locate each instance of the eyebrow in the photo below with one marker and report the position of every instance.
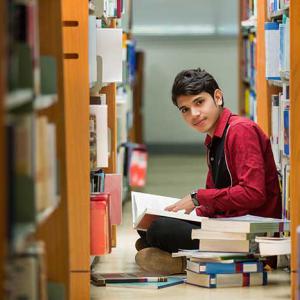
(196, 99)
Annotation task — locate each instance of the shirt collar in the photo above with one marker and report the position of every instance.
(221, 124)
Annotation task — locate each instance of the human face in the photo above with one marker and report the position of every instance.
(201, 111)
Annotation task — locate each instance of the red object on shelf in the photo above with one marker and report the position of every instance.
(100, 225)
(138, 168)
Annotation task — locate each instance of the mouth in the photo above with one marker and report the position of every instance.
(198, 123)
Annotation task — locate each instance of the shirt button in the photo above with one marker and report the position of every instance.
(211, 159)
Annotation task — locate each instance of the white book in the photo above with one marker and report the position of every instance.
(147, 207)
(92, 50)
(275, 129)
(218, 235)
(98, 136)
(247, 224)
(272, 42)
(109, 48)
(274, 246)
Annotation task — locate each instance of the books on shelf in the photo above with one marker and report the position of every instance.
(246, 224)
(226, 280)
(148, 207)
(274, 245)
(109, 48)
(92, 50)
(113, 186)
(272, 46)
(98, 136)
(100, 225)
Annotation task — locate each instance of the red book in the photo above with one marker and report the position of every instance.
(119, 8)
(100, 224)
(138, 168)
(113, 186)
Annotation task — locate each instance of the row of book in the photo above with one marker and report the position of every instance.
(248, 57)
(32, 165)
(26, 276)
(111, 54)
(231, 251)
(280, 139)
(275, 6)
(248, 9)
(107, 8)
(277, 41)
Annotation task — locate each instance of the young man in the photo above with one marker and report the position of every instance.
(242, 177)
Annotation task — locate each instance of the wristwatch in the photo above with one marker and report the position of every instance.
(194, 198)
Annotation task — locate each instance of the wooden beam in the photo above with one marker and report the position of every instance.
(295, 140)
(263, 93)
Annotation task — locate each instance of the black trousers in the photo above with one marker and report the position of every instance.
(170, 234)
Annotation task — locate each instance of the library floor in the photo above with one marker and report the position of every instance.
(174, 176)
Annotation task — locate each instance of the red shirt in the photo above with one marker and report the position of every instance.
(254, 181)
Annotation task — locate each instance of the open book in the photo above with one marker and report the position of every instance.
(147, 207)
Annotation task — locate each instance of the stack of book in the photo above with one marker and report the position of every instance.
(233, 246)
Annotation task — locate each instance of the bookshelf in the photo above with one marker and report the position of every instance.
(265, 88)
(295, 140)
(63, 34)
(63, 227)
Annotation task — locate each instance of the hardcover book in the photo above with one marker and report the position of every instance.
(246, 224)
(227, 280)
(147, 207)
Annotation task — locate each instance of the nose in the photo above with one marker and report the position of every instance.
(195, 111)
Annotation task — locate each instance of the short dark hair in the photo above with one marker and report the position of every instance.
(193, 82)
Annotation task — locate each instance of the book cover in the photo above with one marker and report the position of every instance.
(149, 285)
(101, 279)
(240, 246)
(100, 224)
(269, 246)
(272, 44)
(109, 48)
(113, 186)
(247, 224)
(247, 266)
(227, 280)
(98, 136)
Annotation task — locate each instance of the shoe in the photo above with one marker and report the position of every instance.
(141, 244)
(157, 261)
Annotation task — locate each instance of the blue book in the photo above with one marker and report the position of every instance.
(149, 285)
(286, 130)
(249, 266)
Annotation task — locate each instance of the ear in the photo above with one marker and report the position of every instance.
(218, 95)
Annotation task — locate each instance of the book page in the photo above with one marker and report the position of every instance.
(143, 201)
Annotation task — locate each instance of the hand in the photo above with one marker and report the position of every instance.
(185, 203)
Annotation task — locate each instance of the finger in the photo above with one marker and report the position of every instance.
(170, 207)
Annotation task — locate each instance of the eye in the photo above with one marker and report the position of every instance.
(183, 110)
(199, 101)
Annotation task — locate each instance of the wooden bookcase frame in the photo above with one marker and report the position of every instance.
(264, 91)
